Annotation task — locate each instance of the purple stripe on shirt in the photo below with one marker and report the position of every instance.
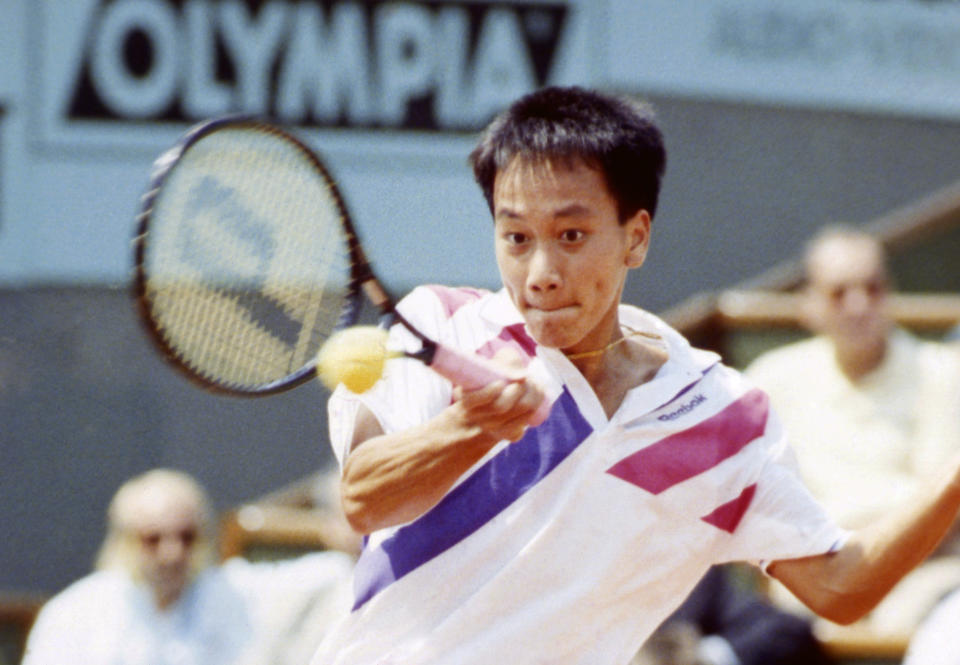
(474, 502)
(688, 453)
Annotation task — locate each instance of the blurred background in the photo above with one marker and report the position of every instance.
(779, 116)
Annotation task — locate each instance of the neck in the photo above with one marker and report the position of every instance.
(591, 363)
(591, 367)
(621, 365)
(164, 601)
(856, 359)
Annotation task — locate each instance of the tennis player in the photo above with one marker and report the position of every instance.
(493, 542)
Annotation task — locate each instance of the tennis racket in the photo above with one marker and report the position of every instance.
(247, 261)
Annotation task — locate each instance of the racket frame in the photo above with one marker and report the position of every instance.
(361, 274)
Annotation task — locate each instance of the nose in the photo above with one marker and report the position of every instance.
(855, 301)
(859, 300)
(544, 270)
(172, 551)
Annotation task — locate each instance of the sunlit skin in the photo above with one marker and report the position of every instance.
(563, 253)
(846, 300)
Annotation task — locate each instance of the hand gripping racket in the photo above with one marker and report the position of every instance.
(247, 261)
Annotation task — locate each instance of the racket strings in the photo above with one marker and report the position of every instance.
(247, 273)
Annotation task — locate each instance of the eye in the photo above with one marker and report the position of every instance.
(188, 537)
(875, 288)
(572, 235)
(150, 540)
(515, 237)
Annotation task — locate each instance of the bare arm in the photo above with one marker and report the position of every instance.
(845, 585)
(390, 479)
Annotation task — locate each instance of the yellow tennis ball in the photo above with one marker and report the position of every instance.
(354, 357)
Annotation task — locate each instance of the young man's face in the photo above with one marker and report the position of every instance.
(562, 252)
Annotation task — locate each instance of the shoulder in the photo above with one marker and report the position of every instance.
(702, 368)
(933, 352)
(95, 586)
(933, 363)
(434, 308)
(792, 352)
(789, 360)
(678, 347)
(85, 600)
(442, 300)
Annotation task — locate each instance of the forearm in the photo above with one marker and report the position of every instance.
(393, 478)
(845, 585)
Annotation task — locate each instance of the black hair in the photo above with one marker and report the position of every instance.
(616, 134)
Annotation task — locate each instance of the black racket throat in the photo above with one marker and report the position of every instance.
(428, 348)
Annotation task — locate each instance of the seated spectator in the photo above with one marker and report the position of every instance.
(157, 596)
(871, 410)
(722, 624)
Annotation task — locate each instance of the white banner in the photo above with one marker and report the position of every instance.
(391, 92)
(894, 56)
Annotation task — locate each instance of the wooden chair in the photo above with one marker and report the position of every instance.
(287, 522)
(17, 614)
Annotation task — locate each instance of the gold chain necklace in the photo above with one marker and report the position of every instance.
(597, 352)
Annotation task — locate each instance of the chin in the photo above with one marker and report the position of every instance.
(554, 339)
(546, 333)
(552, 330)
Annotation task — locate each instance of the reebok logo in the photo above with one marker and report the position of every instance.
(683, 409)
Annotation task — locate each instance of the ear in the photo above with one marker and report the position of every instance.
(638, 238)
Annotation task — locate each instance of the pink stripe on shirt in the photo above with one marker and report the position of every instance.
(454, 298)
(728, 516)
(690, 452)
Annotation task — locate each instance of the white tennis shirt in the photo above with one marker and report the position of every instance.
(573, 544)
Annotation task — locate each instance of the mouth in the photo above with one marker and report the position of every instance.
(548, 309)
(550, 320)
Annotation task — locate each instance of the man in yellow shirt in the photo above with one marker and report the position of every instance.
(870, 409)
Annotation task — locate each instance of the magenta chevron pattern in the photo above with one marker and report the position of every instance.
(688, 453)
(728, 516)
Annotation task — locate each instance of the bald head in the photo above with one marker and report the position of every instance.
(841, 255)
(158, 530)
(847, 287)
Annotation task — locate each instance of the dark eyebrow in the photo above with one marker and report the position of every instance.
(570, 210)
(508, 213)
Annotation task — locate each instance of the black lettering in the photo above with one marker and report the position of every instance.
(133, 67)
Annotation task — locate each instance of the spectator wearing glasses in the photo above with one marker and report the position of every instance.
(158, 597)
(869, 407)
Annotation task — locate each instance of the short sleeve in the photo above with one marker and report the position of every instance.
(784, 520)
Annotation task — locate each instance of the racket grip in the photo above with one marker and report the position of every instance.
(473, 372)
